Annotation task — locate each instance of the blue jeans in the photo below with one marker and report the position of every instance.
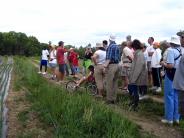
(133, 90)
(171, 101)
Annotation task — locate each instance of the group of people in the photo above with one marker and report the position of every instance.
(139, 66)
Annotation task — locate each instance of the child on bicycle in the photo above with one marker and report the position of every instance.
(89, 78)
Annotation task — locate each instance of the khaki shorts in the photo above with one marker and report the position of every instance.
(99, 76)
(125, 71)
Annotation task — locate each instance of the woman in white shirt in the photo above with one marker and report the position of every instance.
(156, 67)
(53, 61)
(99, 59)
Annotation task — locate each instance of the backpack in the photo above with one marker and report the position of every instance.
(171, 72)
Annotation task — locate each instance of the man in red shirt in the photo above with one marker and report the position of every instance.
(60, 60)
(74, 61)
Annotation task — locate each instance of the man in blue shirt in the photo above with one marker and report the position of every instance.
(111, 69)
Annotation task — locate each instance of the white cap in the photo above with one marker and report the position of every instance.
(175, 40)
(112, 37)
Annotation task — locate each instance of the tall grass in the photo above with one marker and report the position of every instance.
(72, 116)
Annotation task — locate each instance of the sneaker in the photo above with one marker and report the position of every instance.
(177, 122)
(44, 73)
(39, 72)
(158, 90)
(167, 121)
(153, 88)
(142, 97)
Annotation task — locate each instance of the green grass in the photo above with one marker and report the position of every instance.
(72, 115)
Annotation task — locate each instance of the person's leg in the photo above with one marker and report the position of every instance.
(154, 76)
(181, 103)
(109, 82)
(150, 80)
(99, 78)
(176, 106)
(168, 99)
(158, 81)
(41, 66)
(133, 90)
(115, 81)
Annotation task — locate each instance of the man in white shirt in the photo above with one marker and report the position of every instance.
(150, 51)
(44, 60)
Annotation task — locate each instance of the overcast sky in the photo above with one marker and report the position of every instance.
(79, 22)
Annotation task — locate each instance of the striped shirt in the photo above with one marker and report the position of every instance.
(113, 53)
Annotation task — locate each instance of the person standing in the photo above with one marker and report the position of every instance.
(87, 60)
(99, 59)
(156, 67)
(105, 44)
(44, 60)
(66, 63)
(150, 51)
(138, 74)
(181, 35)
(171, 94)
(111, 69)
(60, 59)
(126, 61)
(53, 61)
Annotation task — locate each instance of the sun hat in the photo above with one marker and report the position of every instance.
(112, 38)
(180, 33)
(99, 45)
(53, 46)
(175, 40)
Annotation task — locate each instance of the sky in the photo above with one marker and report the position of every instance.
(79, 22)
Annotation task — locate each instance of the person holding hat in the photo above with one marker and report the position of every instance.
(156, 67)
(181, 35)
(53, 61)
(111, 69)
(171, 94)
(99, 59)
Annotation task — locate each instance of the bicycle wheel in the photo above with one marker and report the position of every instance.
(71, 86)
(91, 89)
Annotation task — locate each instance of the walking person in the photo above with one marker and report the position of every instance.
(99, 58)
(44, 60)
(138, 74)
(171, 94)
(156, 67)
(60, 59)
(111, 70)
(53, 61)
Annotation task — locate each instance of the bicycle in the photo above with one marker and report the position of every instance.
(90, 87)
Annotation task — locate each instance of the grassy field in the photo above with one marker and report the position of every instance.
(77, 115)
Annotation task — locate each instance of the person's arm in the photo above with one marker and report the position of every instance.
(170, 60)
(94, 58)
(108, 57)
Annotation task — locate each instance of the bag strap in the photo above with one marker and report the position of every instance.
(179, 50)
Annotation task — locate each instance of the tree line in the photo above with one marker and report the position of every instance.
(18, 43)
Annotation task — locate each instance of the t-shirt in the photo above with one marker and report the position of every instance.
(171, 55)
(146, 55)
(156, 57)
(88, 55)
(45, 53)
(75, 61)
(66, 57)
(124, 58)
(60, 55)
(53, 57)
(101, 56)
(149, 49)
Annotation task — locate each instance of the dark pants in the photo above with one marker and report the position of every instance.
(156, 77)
(181, 103)
(143, 89)
(66, 70)
(133, 90)
(43, 63)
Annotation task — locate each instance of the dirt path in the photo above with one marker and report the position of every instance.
(22, 120)
(154, 127)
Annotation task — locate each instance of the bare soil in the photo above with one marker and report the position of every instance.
(31, 126)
